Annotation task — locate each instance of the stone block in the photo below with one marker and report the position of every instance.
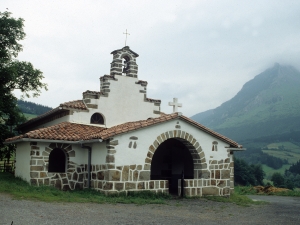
(139, 167)
(43, 174)
(217, 174)
(210, 191)
(80, 178)
(200, 183)
(222, 183)
(226, 191)
(33, 181)
(119, 186)
(201, 155)
(34, 174)
(94, 176)
(187, 192)
(151, 184)
(135, 175)
(33, 162)
(213, 182)
(204, 174)
(125, 173)
(159, 139)
(114, 175)
(141, 185)
(147, 167)
(66, 187)
(161, 184)
(100, 175)
(57, 184)
(132, 167)
(130, 185)
(227, 160)
(156, 184)
(148, 160)
(225, 174)
(150, 155)
(115, 142)
(152, 148)
(111, 166)
(46, 181)
(108, 186)
(155, 143)
(36, 168)
(144, 175)
(100, 184)
(110, 159)
(79, 186)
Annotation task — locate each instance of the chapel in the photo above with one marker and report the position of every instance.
(117, 140)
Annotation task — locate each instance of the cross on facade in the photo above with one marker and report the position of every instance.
(126, 36)
(175, 104)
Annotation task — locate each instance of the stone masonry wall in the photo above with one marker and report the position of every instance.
(72, 179)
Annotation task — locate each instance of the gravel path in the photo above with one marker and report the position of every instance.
(281, 210)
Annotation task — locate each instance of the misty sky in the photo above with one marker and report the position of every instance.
(201, 52)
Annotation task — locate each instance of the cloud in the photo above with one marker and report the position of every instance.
(201, 52)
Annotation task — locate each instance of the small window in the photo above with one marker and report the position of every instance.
(57, 161)
(215, 146)
(97, 118)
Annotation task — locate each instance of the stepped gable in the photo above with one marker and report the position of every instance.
(75, 132)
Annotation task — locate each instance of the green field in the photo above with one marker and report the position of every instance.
(29, 116)
(284, 150)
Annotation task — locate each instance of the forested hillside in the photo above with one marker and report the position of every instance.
(32, 108)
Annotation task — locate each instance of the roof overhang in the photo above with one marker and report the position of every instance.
(54, 141)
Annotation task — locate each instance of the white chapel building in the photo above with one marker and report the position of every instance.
(117, 140)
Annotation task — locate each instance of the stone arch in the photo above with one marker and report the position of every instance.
(199, 161)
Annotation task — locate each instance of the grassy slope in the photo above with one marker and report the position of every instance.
(29, 116)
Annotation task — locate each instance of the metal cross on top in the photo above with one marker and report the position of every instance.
(175, 104)
(126, 36)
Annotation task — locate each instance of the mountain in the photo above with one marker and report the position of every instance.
(32, 108)
(266, 106)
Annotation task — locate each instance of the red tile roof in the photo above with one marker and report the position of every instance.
(75, 132)
(77, 104)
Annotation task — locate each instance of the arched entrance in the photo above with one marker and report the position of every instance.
(170, 160)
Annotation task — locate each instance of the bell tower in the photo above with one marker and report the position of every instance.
(124, 62)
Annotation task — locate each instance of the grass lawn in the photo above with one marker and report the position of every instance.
(269, 170)
(20, 189)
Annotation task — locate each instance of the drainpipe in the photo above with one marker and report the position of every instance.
(89, 163)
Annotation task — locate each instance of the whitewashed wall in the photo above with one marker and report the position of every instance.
(23, 161)
(128, 156)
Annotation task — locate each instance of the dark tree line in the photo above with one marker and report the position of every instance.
(247, 174)
(290, 179)
(32, 108)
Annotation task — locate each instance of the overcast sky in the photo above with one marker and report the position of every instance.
(201, 52)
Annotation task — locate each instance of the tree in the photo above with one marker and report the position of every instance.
(14, 74)
(278, 179)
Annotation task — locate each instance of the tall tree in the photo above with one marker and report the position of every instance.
(14, 74)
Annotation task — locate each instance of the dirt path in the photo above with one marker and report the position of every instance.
(281, 210)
